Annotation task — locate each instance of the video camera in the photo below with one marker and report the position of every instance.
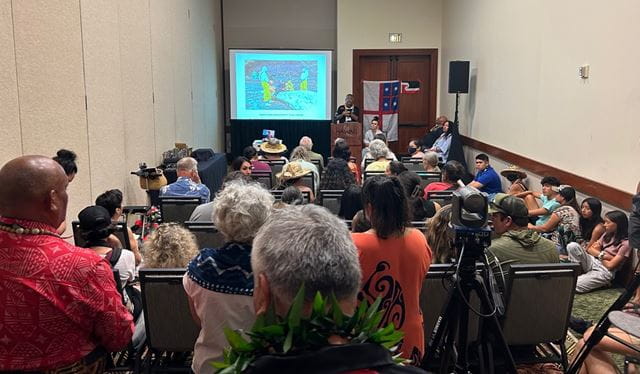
(469, 221)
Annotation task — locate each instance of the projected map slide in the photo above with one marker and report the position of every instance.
(280, 84)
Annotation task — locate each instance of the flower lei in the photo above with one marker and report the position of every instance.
(272, 334)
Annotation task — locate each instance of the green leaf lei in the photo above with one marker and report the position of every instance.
(272, 334)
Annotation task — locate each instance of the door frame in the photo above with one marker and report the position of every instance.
(433, 86)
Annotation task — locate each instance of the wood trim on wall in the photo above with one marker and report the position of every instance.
(611, 195)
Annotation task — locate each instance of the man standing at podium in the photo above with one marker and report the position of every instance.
(347, 112)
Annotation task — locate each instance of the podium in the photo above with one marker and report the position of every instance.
(352, 133)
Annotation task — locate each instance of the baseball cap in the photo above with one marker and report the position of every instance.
(94, 217)
(508, 205)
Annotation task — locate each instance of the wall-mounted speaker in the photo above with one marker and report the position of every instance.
(459, 76)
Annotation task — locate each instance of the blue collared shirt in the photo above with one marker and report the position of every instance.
(490, 180)
(184, 186)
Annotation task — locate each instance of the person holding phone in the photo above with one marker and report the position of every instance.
(347, 112)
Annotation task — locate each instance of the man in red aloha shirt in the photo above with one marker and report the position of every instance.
(59, 307)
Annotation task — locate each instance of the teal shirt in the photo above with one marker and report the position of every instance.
(550, 206)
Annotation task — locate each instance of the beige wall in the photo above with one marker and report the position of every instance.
(526, 95)
(118, 56)
(366, 24)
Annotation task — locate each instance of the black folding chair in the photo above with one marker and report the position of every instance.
(368, 174)
(120, 231)
(331, 200)
(263, 177)
(441, 197)
(539, 298)
(177, 208)
(277, 194)
(207, 235)
(427, 177)
(171, 331)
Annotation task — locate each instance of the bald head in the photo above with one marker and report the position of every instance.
(33, 188)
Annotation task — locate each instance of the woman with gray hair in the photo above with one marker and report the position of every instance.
(219, 281)
(430, 162)
(378, 151)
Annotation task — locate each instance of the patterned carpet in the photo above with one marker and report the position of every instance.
(591, 306)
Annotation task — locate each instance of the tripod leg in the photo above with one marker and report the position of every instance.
(441, 342)
(493, 325)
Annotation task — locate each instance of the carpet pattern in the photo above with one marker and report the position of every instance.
(591, 306)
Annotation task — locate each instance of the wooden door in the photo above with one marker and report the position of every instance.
(416, 110)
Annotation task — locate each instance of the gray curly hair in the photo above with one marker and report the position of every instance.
(307, 244)
(377, 149)
(240, 209)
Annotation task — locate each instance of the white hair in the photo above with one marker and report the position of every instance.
(306, 142)
(240, 209)
(378, 149)
(431, 158)
(307, 244)
(187, 164)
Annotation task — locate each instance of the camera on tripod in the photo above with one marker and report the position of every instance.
(469, 222)
(448, 344)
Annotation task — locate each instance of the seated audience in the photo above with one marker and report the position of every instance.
(360, 223)
(273, 149)
(241, 164)
(378, 152)
(112, 201)
(393, 250)
(337, 175)
(516, 243)
(307, 143)
(410, 181)
(443, 143)
(170, 246)
(452, 172)
(292, 196)
(67, 159)
(204, 212)
(564, 223)
(374, 129)
(95, 228)
(219, 281)
(188, 183)
(70, 323)
(295, 236)
(591, 222)
(438, 237)
(430, 162)
(516, 177)
(434, 133)
(351, 202)
(415, 149)
(251, 154)
(291, 175)
(547, 197)
(422, 209)
(610, 252)
(394, 168)
(598, 361)
(486, 180)
(366, 155)
(300, 155)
